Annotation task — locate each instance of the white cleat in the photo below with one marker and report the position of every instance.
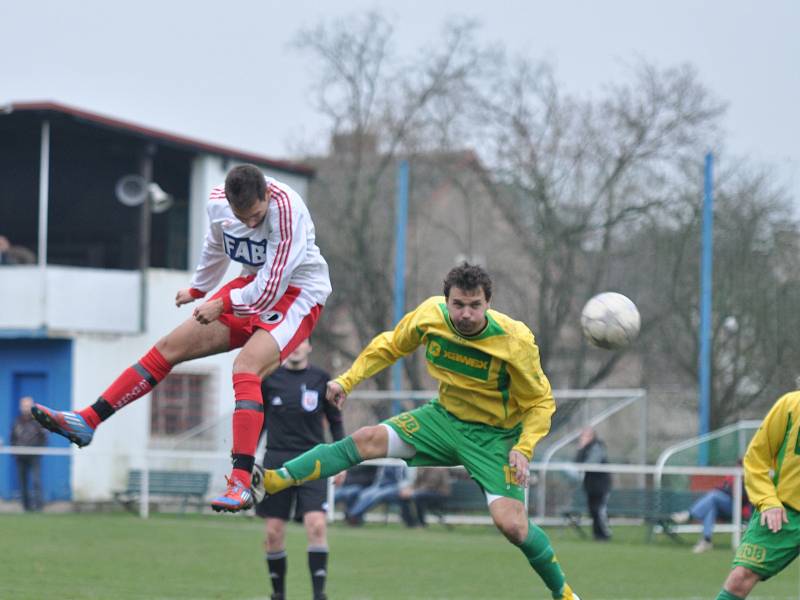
(702, 546)
(681, 517)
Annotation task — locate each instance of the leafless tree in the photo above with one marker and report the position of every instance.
(573, 177)
(561, 197)
(755, 284)
(381, 109)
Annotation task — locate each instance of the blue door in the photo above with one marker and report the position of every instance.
(40, 368)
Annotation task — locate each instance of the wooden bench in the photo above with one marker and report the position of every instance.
(188, 486)
(654, 506)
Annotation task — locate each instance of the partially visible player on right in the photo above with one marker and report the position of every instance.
(772, 539)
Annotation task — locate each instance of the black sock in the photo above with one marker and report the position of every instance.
(276, 565)
(244, 462)
(318, 566)
(102, 408)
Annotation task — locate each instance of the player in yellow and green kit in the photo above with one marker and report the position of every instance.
(494, 405)
(772, 539)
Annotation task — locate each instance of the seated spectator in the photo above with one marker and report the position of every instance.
(431, 486)
(386, 488)
(716, 503)
(15, 255)
(358, 478)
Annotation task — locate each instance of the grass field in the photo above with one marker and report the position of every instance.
(116, 556)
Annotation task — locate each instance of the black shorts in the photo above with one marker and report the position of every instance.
(309, 497)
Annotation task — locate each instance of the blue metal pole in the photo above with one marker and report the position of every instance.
(706, 271)
(401, 220)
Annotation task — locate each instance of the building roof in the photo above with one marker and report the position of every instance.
(78, 114)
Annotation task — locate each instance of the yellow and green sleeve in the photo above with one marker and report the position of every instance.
(531, 390)
(384, 349)
(766, 453)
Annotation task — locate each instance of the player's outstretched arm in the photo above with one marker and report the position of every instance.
(758, 460)
(335, 394)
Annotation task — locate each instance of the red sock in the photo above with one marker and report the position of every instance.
(248, 419)
(133, 383)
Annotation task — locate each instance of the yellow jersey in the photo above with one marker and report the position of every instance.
(493, 377)
(772, 461)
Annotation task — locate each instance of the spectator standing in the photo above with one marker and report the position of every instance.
(597, 485)
(27, 432)
(294, 409)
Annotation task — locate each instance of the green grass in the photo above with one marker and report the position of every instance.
(116, 556)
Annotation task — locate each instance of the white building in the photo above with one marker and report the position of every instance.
(94, 301)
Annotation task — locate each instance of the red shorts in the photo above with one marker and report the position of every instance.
(290, 321)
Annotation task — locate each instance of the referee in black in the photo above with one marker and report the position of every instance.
(294, 407)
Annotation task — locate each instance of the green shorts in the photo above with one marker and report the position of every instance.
(442, 440)
(767, 553)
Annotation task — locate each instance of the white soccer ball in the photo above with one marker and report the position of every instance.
(610, 320)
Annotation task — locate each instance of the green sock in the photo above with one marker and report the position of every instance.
(539, 552)
(324, 460)
(725, 595)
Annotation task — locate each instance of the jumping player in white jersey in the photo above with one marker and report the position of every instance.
(267, 311)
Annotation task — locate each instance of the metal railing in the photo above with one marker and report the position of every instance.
(738, 427)
(628, 397)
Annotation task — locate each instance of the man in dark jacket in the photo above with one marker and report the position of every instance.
(597, 485)
(27, 432)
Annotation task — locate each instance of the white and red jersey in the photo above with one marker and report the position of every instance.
(281, 251)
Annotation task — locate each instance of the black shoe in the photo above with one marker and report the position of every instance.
(277, 597)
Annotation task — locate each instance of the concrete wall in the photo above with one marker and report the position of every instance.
(69, 299)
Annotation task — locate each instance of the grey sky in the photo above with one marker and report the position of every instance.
(225, 73)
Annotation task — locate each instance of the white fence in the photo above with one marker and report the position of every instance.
(218, 463)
